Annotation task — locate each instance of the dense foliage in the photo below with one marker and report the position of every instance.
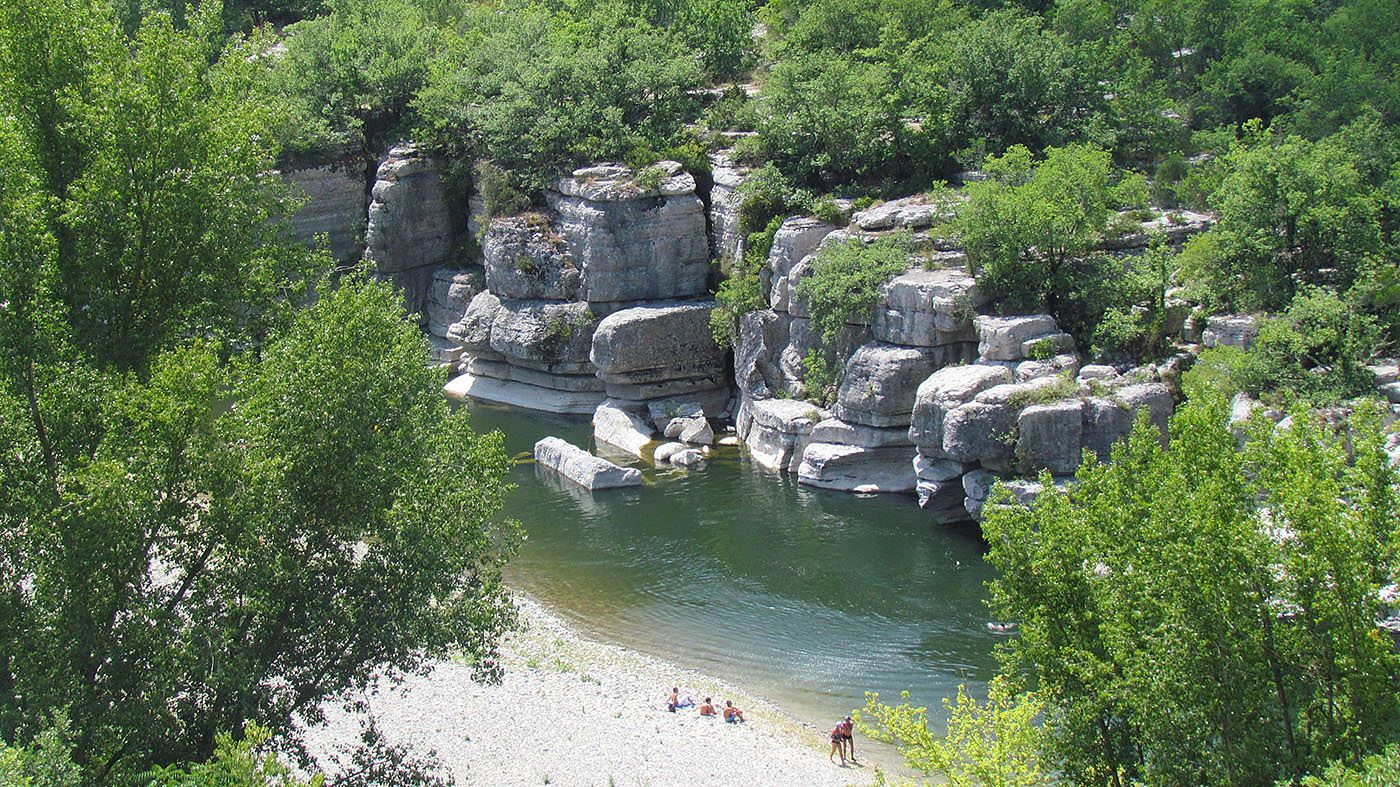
(1197, 614)
(215, 506)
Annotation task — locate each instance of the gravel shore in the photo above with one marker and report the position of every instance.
(573, 711)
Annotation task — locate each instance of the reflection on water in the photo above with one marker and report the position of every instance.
(807, 597)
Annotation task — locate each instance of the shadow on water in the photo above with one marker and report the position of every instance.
(807, 597)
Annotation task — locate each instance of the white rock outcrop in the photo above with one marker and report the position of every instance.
(583, 468)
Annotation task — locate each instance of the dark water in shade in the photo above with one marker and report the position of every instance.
(806, 597)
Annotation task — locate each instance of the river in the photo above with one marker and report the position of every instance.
(806, 597)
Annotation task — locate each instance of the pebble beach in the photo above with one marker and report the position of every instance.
(574, 711)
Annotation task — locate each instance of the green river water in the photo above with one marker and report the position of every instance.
(806, 597)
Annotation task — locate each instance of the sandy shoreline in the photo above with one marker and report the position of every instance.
(574, 711)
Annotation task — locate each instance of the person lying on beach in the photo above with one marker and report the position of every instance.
(707, 709)
(732, 714)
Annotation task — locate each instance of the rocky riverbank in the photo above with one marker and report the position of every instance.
(574, 711)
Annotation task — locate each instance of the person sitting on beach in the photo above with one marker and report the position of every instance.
(674, 701)
(732, 714)
(707, 709)
(838, 743)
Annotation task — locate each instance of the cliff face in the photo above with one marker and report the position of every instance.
(597, 305)
(334, 207)
(600, 297)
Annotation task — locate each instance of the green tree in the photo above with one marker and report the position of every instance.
(1199, 615)
(353, 74)
(997, 743)
(844, 283)
(311, 517)
(828, 119)
(1291, 212)
(235, 763)
(1030, 226)
(538, 92)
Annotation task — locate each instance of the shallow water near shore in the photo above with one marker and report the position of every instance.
(806, 597)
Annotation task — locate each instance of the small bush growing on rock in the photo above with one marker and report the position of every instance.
(500, 190)
(1064, 387)
(828, 211)
(845, 280)
(820, 376)
(649, 178)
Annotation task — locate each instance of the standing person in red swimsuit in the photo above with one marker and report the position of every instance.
(847, 735)
(838, 740)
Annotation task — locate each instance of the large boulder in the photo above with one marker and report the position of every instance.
(633, 240)
(665, 342)
(1106, 422)
(908, 213)
(1230, 330)
(849, 468)
(1049, 436)
(1155, 398)
(795, 239)
(551, 336)
(981, 432)
(581, 467)
(621, 428)
(526, 259)
(927, 308)
(777, 431)
(473, 332)
(449, 296)
(411, 230)
(880, 383)
(334, 208)
(943, 391)
(1006, 338)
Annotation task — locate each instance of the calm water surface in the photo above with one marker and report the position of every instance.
(806, 597)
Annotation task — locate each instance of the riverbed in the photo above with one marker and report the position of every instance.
(806, 597)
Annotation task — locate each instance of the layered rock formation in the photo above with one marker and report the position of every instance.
(411, 229)
(922, 322)
(597, 306)
(334, 207)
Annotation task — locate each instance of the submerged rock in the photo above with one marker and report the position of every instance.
(583, 468)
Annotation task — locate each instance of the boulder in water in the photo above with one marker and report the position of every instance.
(583, 468)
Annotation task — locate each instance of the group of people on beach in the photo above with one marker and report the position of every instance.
(731, 714)
(842, 738)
